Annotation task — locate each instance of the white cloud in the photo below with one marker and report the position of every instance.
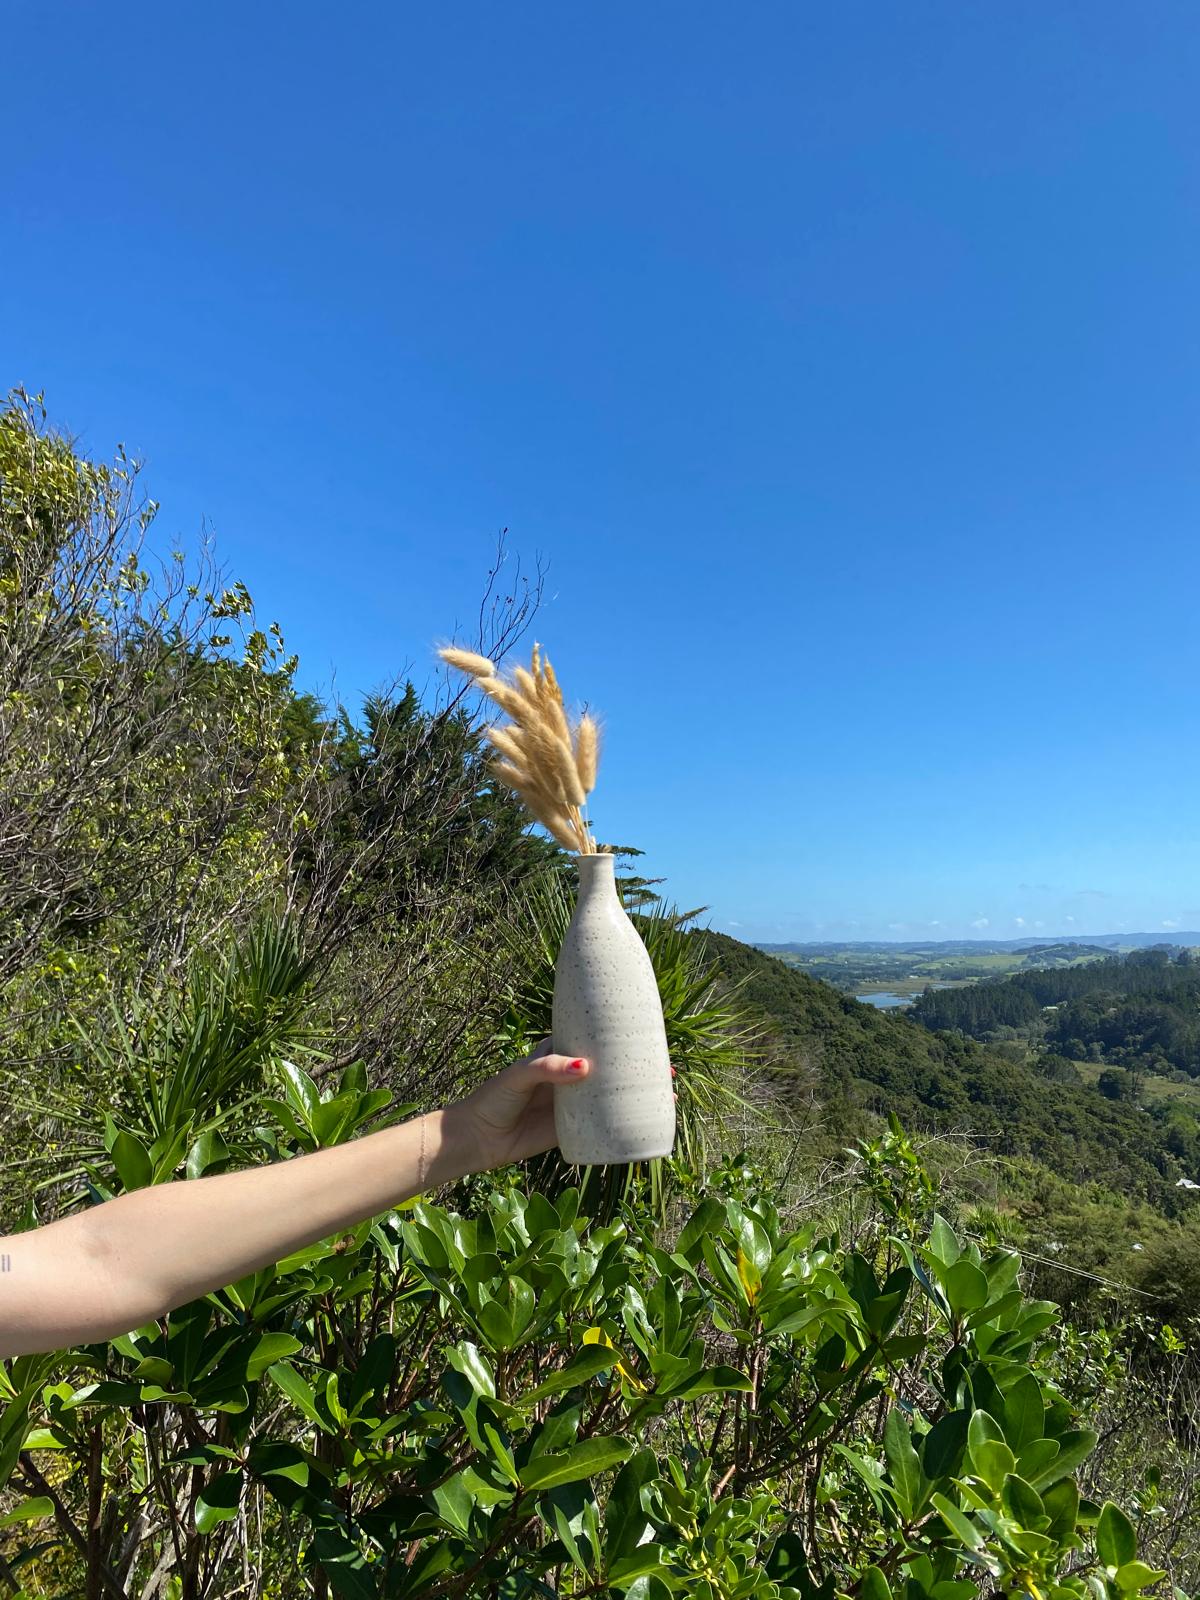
(1039, 923)
(730, 923)
(1170, 922)
(1020, 921)
(935, 923)
(981, 922)
(897, 927)
(1068, 919)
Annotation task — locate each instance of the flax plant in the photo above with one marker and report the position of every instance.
(714, 1037)
(548, 762)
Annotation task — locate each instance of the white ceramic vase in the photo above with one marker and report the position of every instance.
(607, 1008)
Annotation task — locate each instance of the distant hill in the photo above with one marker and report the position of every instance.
(871, 1061)
(952, 947)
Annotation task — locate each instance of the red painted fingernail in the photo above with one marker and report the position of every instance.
(576, 1066)
(672, 1071)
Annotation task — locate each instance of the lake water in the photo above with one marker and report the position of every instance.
(888, 1001)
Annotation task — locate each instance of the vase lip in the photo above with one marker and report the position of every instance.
(594, 855)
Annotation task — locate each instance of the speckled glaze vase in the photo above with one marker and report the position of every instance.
(607, 1008)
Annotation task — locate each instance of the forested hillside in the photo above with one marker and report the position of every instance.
(867, 1059)
(1142, 1009)
(1097, 1188)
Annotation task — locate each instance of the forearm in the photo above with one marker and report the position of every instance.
(170, 1243)
(111, 1268)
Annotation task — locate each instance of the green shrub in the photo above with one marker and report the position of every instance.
(525, 1403)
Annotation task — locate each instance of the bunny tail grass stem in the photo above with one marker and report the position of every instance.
(587, 750)
(527, 684)
(508, 744)
(505, 696)
(548, 764)
(468, 661)
(552, 699)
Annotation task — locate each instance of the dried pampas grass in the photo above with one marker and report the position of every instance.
(550, 764)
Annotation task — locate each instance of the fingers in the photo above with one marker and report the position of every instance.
(546, 1066)
(552, 1068)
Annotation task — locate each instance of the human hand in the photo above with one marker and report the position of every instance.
(511, 1116)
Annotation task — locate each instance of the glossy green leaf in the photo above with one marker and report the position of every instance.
(218, 1501)
(132, 1161)
(884, 1310)
(1022, 1502)
(155, 1370)
(270, 1348)
(966, 1287)
(354, 1077)
(1136, 1575)
(28, 1511)
(582, 1460)
(959, 1522)
(374, 1370)
(300, 1393)
(874, 1585)
(711, 1380)
(752, 1238)
(1073, 1448)
(455, 1502)
(982, 1427)
(568, 1509)
(468, 1359)
(625, 1521)
(583, 1366)
(649, 1558)
(942, 1243)
(943, 1447)
(903, 1462)
(1116, 1542)
(206, 1151)
(504, 1320)
(993, 1462)
(1061, 1502)
(1035, 1457)
(707, 1217)
(1024, 1412)
(300, 1088)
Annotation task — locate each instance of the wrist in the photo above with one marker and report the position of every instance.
(452, 1147)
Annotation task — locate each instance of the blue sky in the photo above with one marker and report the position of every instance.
(840, 365)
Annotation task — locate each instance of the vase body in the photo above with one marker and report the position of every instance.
(607, 1008)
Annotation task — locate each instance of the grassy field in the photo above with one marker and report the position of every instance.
(878, 970)
(1154, 1089)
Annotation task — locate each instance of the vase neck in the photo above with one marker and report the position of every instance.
(597, 879)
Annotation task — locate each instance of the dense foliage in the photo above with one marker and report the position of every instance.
(519, 1402)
